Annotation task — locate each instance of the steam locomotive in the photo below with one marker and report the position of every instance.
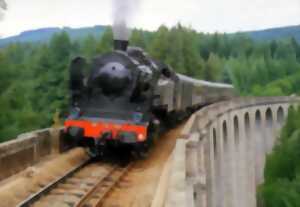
(124, 97)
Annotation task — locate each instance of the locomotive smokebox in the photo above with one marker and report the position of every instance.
(113, 78)
(121, 45)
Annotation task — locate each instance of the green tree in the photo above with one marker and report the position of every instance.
(138, 38)
(159, 45)
(89, 46)
(106, 42)
(213, 68)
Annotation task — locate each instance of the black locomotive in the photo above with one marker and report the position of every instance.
(127, 96)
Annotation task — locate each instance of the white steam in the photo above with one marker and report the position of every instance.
(123, 12)
(3, 6)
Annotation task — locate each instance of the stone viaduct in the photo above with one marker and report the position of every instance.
(220, 160)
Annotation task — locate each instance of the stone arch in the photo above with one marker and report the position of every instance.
(258, 147)
(225, 133)
(269, 118)
(258, 119)
(236, 130)
(280, 115)
(247, 124)
(215, 142)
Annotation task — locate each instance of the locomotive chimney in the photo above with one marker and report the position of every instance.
(121, 45)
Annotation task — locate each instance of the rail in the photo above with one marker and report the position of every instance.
(94, 188)
(36, 196)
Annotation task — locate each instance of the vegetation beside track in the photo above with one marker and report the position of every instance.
(282, 170)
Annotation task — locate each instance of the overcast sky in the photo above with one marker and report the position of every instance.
(203, 15)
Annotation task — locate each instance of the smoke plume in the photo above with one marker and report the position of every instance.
(123, 12)
(3, 6)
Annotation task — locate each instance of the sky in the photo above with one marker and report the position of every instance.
(202, 15)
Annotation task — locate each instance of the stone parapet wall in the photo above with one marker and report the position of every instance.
(30, 148)
(225, 148)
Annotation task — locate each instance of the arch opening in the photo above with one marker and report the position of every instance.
(269, 117)
(258, 119)
(225, 134)
(280, 115)
(236, 130)
(215, 142)
(247, 124)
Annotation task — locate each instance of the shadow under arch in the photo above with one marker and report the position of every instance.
(258, 123)
(236, 130)
(247, 125)
(225, 134)
(269, 118)
(280, 115)
(215, 142)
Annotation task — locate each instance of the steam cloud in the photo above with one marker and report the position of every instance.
(123, 11)
(3, 6)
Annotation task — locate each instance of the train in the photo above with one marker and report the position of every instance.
(124, 98)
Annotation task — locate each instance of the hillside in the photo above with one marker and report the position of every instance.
(44, 34)
(276, 33)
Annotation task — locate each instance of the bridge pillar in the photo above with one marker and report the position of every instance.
(259, 146)
(210, 167)
(219, 166)
(250, 127)
(270, 128)
(227, 190)
(232, 172)
(240, 142)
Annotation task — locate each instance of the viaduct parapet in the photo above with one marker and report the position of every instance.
(221, 159)
(30, 148)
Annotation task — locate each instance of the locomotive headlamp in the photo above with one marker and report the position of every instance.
(141, 137)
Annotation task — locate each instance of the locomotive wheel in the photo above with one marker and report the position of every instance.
(142, 154)
(96, 151)
(92, 151)
(141, 150)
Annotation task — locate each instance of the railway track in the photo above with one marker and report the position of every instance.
(86, 185)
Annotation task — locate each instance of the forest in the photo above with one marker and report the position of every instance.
(34, 76)
(282, 170)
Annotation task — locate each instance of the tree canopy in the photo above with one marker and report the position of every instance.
(34, 76)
